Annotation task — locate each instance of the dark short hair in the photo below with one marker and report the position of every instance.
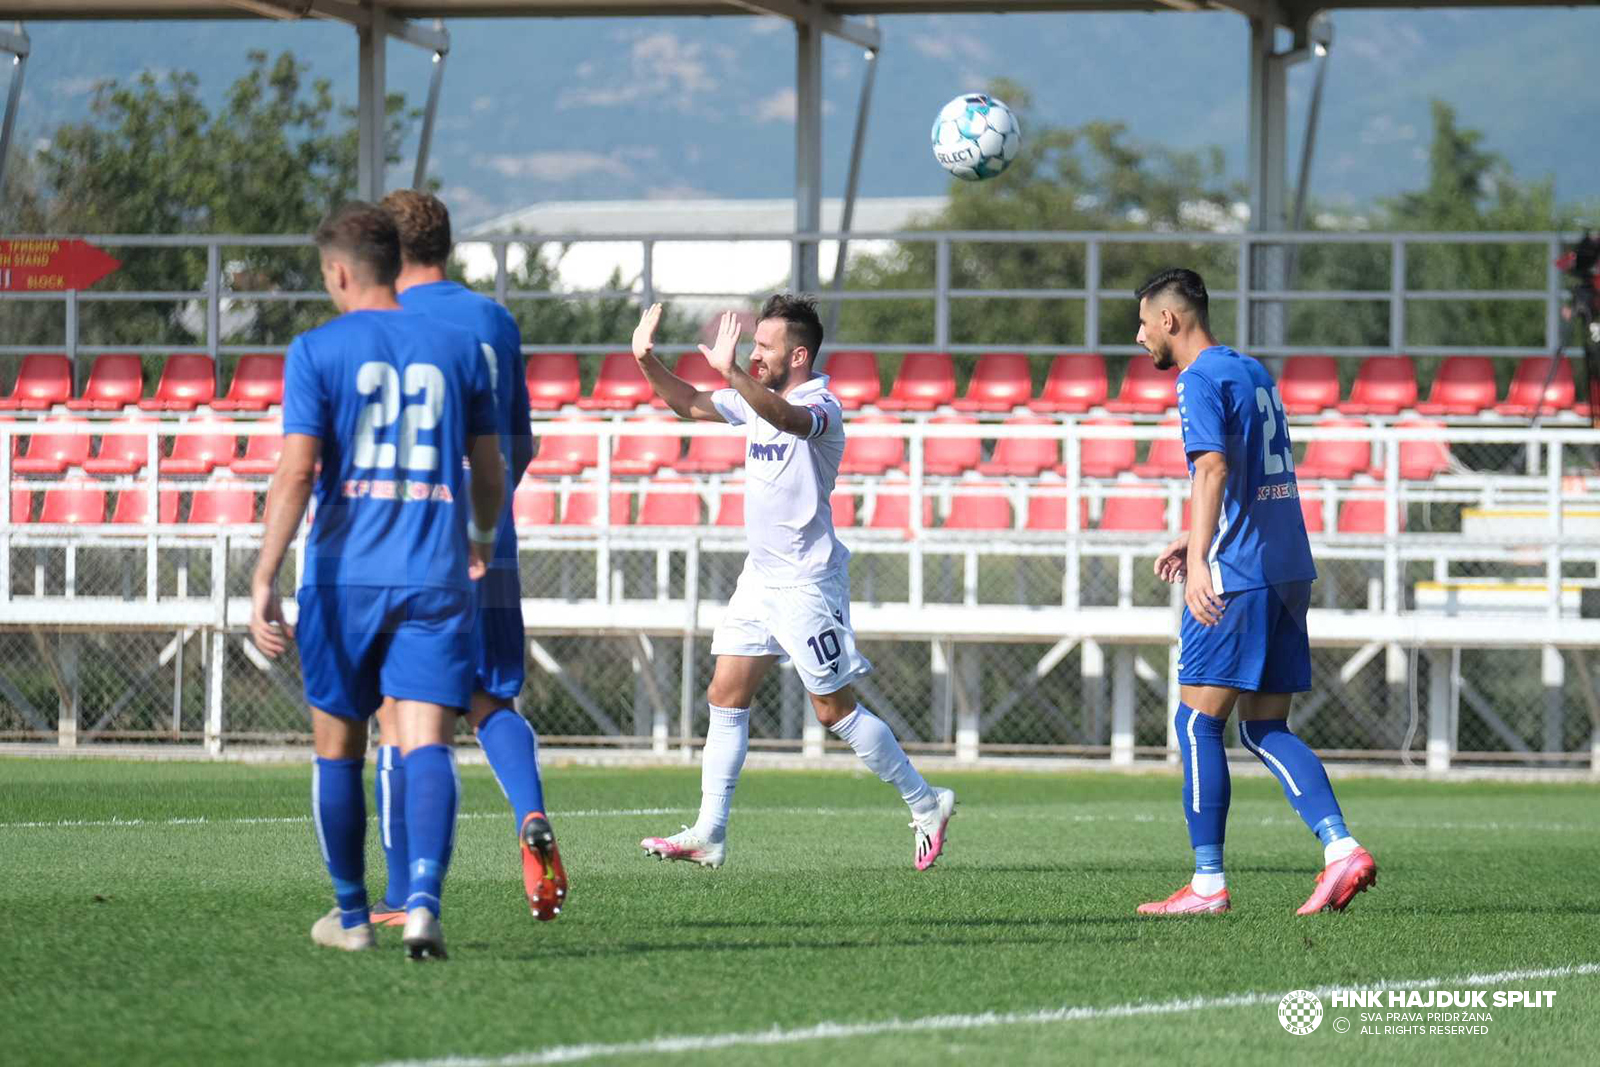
(367, 235)
(424, 225)
(799, 313)
(1183, 283)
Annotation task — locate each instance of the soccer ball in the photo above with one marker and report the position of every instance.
(975, 137)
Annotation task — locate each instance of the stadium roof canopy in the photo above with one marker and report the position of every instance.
(851, 20)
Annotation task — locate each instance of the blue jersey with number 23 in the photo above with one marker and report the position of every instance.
(1230, 404)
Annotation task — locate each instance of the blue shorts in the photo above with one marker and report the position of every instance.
(499, 647)
(359, 644)
(1259, 646)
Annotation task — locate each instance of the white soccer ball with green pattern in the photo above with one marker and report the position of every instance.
(976, 137)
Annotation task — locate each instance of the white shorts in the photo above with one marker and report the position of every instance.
(806, 626)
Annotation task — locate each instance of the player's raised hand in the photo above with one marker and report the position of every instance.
(721, 354)
(269, 632)
(1172, 564)
(1202, 601)
(644, 334)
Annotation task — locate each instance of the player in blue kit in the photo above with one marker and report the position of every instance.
(390, 403)
(499, 648)
(1247, 573)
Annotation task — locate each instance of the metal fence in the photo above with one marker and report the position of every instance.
(1461, 629)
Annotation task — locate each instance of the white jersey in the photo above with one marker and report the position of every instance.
(788, 519)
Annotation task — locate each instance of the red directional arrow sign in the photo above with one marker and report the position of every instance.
(50, 265)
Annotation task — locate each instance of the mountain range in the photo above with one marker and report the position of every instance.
(560, 109)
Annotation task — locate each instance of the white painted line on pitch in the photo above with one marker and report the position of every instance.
(829, 1031)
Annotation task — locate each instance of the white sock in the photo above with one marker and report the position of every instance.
(874, 742)
(1208, 885)
(1338, 850)
(727, 740)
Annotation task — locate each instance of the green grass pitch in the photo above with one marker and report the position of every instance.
(157, 913)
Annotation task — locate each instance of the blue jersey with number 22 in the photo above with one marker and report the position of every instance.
(393, 396)
(1230, 404)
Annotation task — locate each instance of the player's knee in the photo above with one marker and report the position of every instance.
(832, 708)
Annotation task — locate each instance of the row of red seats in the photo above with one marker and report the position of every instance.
(1385, 385)
(678, 504)
(644, 454)
(1076, 383)
(116, 382)
(65, 444)
(221, 504)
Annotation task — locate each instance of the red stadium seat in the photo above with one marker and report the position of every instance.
(693, 368)
(892, 511)
(42, 381)
(713, 454)
(620, 386)
(558, 453)
(133, 505)
(187, 381)
(1105, 457)
(853, 378)
(1364, 515)
(1076, 383)
(1311, 509)
(202, 453)
(979, 511)
(1463, 386)
(74, 505)
(58, 445)
(1134, 514)
(223, 504)
(1333, 458)
(114, 383)
(552, 380)
(843, 503)
(1048, 511)
(1523, 398)
(949, 456)
(1385, 385)
(730, 508)
(647, 453)
(583, 508)
(670, 503)
(261, 451)
(1145, 389)
(124, 451)
(1024, 457)
(1309, 385)
(1000, 382)
(533, 504)
(1167, 458)
(926, 380)
(1420, 460)
(872, 455)
(257, 384)
(21, 505)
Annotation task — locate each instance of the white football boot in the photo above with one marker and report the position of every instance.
(423, 938)
(687, 846)
(330, 932)
(930, 829)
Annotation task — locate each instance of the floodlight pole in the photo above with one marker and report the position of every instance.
(852, 180)
(429, 113)
(17, 44)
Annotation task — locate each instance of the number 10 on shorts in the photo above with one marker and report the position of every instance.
(826, 648)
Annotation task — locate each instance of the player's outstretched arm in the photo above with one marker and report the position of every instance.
(488, 494)
(683, 398)
(287, 496)
(778, 412)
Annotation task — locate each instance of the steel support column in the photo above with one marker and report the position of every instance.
(17, 44)
(371, 105)
(807, 152)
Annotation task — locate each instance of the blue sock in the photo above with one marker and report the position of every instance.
(1207, 789)
(512, 749)
(431, 793)
(389, 796)
(339, 812)
(1300, 773)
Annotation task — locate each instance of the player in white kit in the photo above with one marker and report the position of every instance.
(792, 600)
